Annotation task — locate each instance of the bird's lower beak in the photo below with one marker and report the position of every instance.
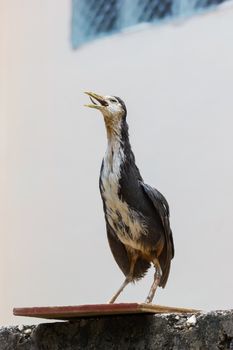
(98, 101)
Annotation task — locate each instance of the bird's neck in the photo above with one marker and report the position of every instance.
(118, 149)
(118, 140)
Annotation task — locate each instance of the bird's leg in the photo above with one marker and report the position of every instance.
(127, 280)
(124, 284)
(157, 277)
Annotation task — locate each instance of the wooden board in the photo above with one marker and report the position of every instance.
(72, 312)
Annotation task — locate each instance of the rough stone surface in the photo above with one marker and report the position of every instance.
(210, 331)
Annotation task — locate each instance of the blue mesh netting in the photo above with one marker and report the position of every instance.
(95, 18)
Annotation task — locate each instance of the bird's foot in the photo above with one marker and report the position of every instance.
(148, 300)
(150, 296)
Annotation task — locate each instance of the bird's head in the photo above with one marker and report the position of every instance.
(112, 108)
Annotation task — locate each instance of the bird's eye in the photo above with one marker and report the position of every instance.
(113, 100)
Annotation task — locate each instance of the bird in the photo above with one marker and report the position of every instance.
(137, 215)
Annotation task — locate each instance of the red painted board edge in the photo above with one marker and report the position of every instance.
(77, 311)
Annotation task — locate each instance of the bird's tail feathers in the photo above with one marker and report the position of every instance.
(165, 263)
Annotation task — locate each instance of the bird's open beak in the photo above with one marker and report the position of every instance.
(98, 101)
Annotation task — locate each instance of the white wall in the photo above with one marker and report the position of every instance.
(177, 81)
(3, 132)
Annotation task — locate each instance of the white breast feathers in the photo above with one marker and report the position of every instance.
(126, 223)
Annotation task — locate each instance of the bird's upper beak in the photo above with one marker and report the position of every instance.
(98, 101)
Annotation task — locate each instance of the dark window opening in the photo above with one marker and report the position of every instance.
(94, 18)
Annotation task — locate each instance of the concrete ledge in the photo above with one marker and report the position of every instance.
(212, 330)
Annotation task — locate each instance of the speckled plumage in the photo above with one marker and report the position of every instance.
(137, 215)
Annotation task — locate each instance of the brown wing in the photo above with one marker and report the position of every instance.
(162, 208)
